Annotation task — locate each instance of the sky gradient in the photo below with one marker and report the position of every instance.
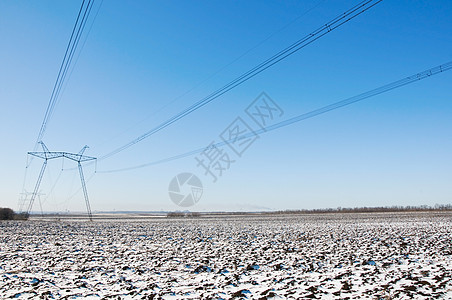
(143, 62)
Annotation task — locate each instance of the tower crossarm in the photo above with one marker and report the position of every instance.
(47, 155)
(53, 155)
(78, 157)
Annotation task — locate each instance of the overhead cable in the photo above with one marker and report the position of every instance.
(71, 48)
(325, 109)
(303, 42)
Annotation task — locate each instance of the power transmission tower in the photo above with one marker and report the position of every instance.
(47, 155)
(24, 199)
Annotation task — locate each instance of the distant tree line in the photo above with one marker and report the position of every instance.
(436, 207)
(9, 214)
(180, 214)
(365, 209)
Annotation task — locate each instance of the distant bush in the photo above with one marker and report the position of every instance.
(9, 214)
(179, 214)
(6, 214)
(21, 216)
(175, 214)
(193, 214)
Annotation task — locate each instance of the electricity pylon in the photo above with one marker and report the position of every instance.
(47, 155)
(24, 199)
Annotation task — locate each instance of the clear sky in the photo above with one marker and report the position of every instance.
(144, 61)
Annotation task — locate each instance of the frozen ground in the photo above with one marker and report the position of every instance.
(342, 256)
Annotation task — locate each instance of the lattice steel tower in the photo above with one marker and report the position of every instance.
(47, 155)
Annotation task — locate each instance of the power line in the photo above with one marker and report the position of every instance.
(215, 73)
(303, 42)
(72, 53)
(77, 31)
(83, 44)
(325, 109)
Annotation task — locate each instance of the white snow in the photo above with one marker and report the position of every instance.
(331, 256)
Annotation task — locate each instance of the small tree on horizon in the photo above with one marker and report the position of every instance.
(6, 214)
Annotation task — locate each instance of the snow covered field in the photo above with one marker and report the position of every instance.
(332, 256)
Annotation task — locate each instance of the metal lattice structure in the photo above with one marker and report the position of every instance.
(24, 199)
(47, 155)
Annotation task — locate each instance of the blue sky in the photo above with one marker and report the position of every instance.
(145, 61)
